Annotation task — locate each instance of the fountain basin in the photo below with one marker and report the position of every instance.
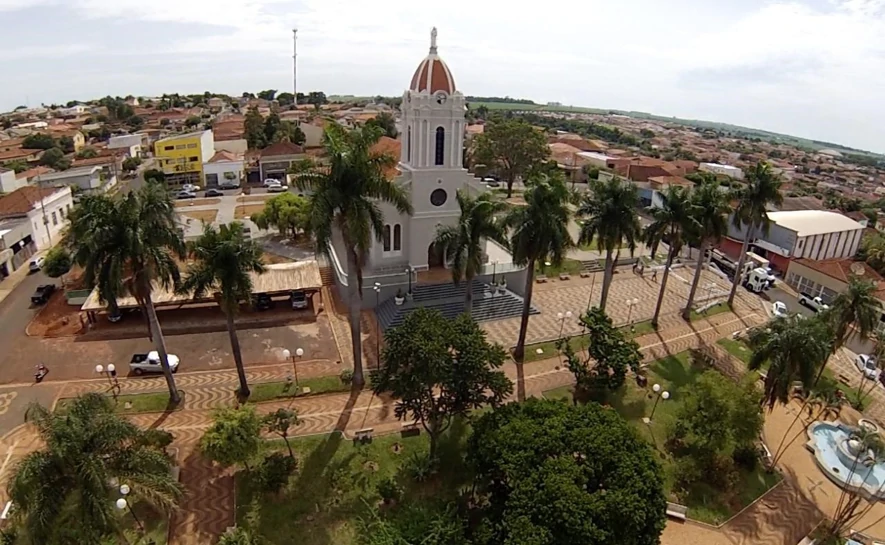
(829, 442)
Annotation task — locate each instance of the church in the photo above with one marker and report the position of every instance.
(431, 169)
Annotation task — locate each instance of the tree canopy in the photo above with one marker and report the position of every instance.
(234, 437)
(287, 212)
(58, 262)
(510, 147)
(38, 141)
(556, 473)
(387, 123)
(437, 369)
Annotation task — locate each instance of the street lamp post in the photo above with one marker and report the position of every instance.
(659, 395)
(111, 374)
(123, 503)
(298, 353)
(494, 270)
(378, 324)
(630, 304)
(562, 318)
(410, 271)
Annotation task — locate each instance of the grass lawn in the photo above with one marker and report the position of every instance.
(578, 343)
(269, 391)
(246, 210)
(155, 526)
(154, 402)
(335, 485)
(676, 375)
(738, 349)
(712, 311)
(571, 266)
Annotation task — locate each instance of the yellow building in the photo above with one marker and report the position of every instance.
(181, 157)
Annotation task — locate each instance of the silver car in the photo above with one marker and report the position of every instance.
(150, 363)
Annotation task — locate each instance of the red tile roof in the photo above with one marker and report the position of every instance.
(19, 153)
(844, 269)
(389, 146)
(23, 200)
(282, 148)
(30, 173)
(225, 155)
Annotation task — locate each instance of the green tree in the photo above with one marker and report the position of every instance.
(463, 243)
(610, 220)
(192, 121)
(58, 262)
(317, 98)
(54, 158)
(154, 175)
(272, 125)
(280, 422)
(135, 122)
(39, 141)
(234, 436)
(18, 165)
(387, 123)
(346, 192)
(609, 356)
(61, 492)
(286, 98)
(672, 223)
(86, 153)
(223, 261)
(131, 242)
(551, 475)
(290, 132)
(287, 212)
(853, 313)
(268, 94)
(711, 208)
(66, 143)
(131, 164)
(254, 129)
(763, 189)
(510, 147)
(538, 233)
(437, 369)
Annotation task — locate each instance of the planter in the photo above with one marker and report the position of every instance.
(398, 301)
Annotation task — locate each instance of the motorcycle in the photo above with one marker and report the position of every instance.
(42, 370)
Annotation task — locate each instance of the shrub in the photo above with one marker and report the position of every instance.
(420, 467)
(274, 471)
(346, 376)
(389, 490)
(747, 457)
(156, 438)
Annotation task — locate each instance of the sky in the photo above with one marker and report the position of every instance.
(811, 68)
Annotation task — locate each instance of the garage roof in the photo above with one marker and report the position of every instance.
(813, 222)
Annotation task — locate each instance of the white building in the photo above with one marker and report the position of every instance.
(728, 170)
(45, 208)
(130, 144)
(75, 110)
(431, 171)
(224, 168)
(599, 160)
(94, 178)
(9, 182)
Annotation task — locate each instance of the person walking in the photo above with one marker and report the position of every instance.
(654, 275)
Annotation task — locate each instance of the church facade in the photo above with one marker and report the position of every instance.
(432, 131)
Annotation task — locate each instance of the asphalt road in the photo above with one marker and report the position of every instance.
(16, 311)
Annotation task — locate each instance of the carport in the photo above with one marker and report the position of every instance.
(279, 279)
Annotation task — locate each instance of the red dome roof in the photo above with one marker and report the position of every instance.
(432, 75)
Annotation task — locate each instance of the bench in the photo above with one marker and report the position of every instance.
(676, 511)
(843, 379)
(565, 276)
(586, 274)
(364, 435)
(410, 428)
(541, 279)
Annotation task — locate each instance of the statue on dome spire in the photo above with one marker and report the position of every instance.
(433, 41)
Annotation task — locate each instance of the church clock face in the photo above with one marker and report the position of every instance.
(440, 98)
(438, 197)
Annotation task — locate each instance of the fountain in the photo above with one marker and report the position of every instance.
(836, 453)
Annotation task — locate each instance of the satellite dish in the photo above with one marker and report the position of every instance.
(857, 269)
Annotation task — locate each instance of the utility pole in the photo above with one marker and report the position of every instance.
(295, 65)
(43, 211)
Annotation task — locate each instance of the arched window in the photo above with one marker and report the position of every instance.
(440, 145)
(386, 238)
(397, 238)
(409, 144)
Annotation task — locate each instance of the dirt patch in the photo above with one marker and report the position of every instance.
(75, 279)
(269, 258)
(254, 198)
(56, 319)
(201, 215)
(187, 203)
(246, 210)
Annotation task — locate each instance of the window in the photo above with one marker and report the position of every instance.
(61, 212)
(438, 197)
(54, 219)
(191, 146)
(193, 159)
(386, 238)
(169, 148)
(409, 144)
(211, 179)
(397, 238)
(69, 207)
(440, 145)
(180, 146)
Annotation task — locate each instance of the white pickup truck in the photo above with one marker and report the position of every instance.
(814, 303)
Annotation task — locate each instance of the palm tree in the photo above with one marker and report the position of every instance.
(224, 261)
(854, 312)
(539, 232)
(711, 209)
(673, 220)
(92, 213)
(763, 189)
(61, 492)
(133, 242)
(610, 219)
(345, 198)
(463, 243)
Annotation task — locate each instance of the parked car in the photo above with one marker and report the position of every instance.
(277, 188)
(298, 299)
(186, 195)
(36, 264)
(867, 365)
(263, 302)
(213, 193)
(150, 363)
(814, 303)
(270, 181)
(779, 309)
(228, 184)
(190, 188)
(42, 294)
